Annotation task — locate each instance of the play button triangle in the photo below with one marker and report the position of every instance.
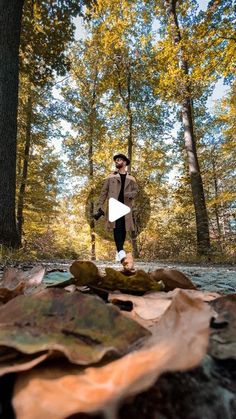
(116, 209)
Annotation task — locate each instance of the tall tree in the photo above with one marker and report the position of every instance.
(203, 237)
(187, 51)
(82, 104)
(218, 155)
(10, 25)
(37, 126)
(10, 29)
(43, 24)
(122, 33)
(26, 158)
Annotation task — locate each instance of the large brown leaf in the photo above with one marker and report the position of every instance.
(151, 306)
(81, 327)
(179, 342)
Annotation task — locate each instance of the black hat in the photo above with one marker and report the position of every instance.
(122, 156)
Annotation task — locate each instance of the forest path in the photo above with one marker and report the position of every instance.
(219, 278)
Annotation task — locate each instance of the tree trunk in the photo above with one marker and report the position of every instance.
(126, 99)
(133, 234)
(92, 223)
(216, 192)
(91, 170)
(92, 232)
(130, 117)
(21, 197)
(203, 237)
(10, 26)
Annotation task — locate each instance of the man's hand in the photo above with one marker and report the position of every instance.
(98, 214)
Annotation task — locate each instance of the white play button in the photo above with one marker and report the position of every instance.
(116, 209)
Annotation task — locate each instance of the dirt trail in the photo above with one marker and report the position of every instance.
(211, 278)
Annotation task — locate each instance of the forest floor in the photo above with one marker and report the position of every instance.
(206, 392)
(217, 278)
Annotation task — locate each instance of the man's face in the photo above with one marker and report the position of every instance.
(120, 163)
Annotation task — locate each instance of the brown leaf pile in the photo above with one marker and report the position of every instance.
(53, 338)
(87, 273)
(179, 342)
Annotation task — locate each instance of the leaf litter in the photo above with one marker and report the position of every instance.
(179, 342)
(167, 331)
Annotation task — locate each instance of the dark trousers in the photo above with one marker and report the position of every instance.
(119, 233)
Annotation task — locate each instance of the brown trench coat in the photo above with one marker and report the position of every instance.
(111, 189)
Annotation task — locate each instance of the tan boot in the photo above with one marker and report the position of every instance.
(128, 262)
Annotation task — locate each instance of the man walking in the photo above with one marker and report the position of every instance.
(122, 186)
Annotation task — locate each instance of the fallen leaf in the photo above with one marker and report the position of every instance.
(172, 279)
(7, 294)
(16, 282)
(58, 279)
(15, 362)
(35, 276)
(152, 305)
(85, 272)
(13, 276)
(140, 281)
(82, 327)
(179, 342)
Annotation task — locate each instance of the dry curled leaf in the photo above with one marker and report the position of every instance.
(179, 342)
(152, 305)
(14, 361)
(172, 279)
